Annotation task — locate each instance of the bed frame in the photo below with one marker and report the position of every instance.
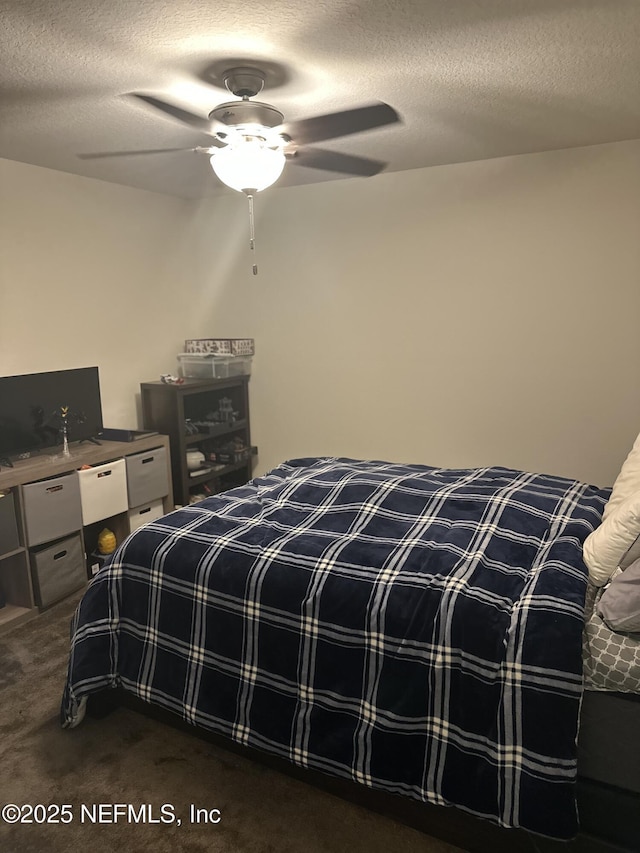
(608, 789)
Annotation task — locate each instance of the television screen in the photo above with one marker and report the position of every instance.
(31, 409)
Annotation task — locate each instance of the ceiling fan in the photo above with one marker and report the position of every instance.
(250, 142)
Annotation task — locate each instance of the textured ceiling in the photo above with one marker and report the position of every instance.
(471, 79)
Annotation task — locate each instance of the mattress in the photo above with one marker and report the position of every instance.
(608, 744)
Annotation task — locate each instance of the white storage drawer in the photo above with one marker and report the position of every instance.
(141, 515)
(103, 491)
(147, 477)
(58, 570)
(52, 508)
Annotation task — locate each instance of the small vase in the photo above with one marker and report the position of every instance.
(65, 441)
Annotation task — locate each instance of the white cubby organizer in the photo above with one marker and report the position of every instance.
(52, 509)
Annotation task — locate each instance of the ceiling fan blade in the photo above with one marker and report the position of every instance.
(100, 154)
(333, 125)
(333, 161)
(205, 125)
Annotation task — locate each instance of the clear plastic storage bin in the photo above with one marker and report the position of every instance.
(208, 366)
(240, 366)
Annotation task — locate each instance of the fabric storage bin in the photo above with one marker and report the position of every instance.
(103, 491)
(147, 476)
(58, 570)
(215, 346)
(141, 515)
(52, 508)
(242, 346)
(221, 346)
(9, 539)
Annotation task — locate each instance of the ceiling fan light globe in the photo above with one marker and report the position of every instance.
(248, 165)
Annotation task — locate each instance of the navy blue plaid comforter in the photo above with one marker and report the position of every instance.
(415, 629)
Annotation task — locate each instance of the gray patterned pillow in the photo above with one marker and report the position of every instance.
(619, 605)
(611, 660)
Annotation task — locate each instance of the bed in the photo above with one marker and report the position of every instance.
(415, 630)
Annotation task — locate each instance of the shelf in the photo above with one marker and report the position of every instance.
(222, 429)
(166, 408)
(44, 466)
(12, 553)
(23, 566)
(11, 615)
(218, 471)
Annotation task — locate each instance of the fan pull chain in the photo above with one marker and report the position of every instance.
(252, 232)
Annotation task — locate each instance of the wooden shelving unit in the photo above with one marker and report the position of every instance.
(168, 408)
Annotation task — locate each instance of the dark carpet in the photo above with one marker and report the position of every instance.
(128, 759)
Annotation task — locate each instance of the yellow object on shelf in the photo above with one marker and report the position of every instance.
(106, 541)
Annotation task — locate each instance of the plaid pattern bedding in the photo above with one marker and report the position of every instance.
(415, 629)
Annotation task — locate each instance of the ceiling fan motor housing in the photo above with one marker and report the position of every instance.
(247, 112)
(244, 82)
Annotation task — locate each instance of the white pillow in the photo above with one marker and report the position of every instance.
(606, 547)
(627, 481)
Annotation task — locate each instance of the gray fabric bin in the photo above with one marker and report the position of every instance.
(58, 570)
(9, 539)
(147, 476)
(52, 508)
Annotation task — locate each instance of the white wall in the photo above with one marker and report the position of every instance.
(93, 274)
(482, 313)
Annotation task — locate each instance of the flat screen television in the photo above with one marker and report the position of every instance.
(31, 410)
